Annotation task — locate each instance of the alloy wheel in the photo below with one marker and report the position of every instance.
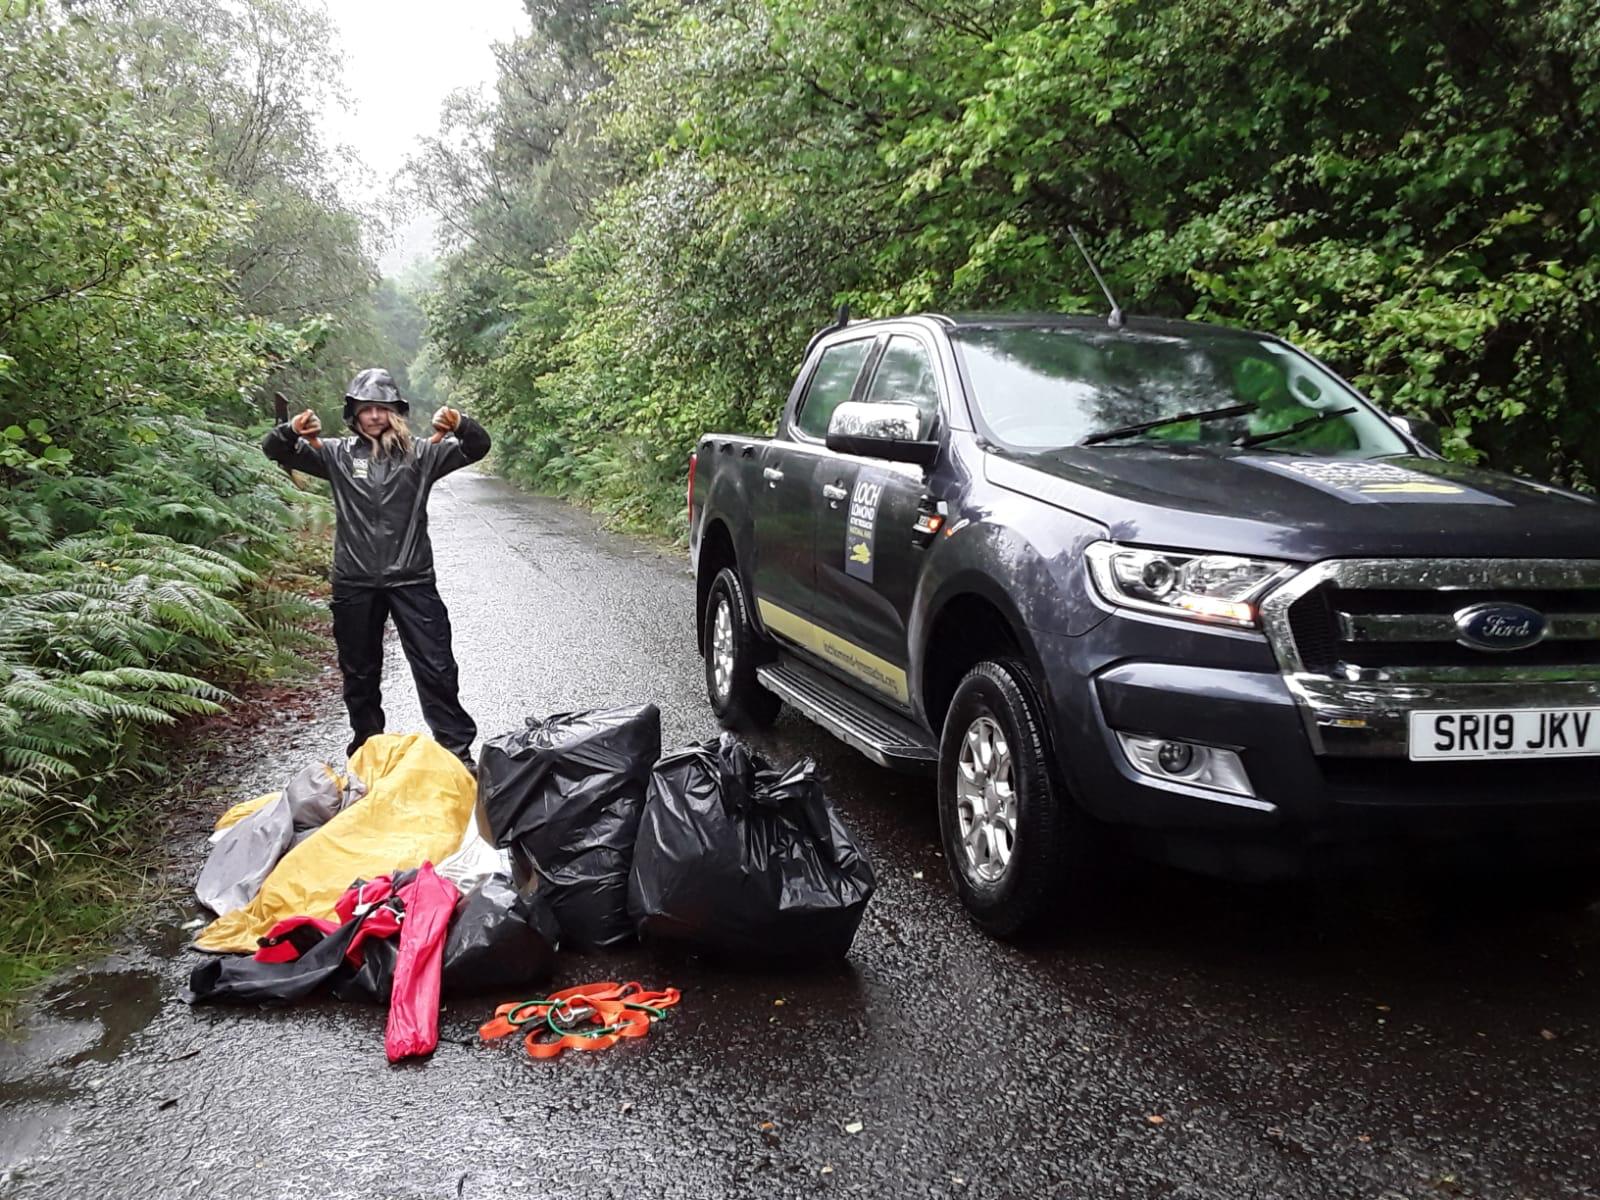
(986, 801)
(722, 648)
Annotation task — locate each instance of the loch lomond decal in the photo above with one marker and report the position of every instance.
(1500, 626)
(861, 529)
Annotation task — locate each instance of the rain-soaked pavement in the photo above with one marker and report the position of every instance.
(1193, 1040)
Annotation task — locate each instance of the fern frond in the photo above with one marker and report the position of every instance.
(26, 758)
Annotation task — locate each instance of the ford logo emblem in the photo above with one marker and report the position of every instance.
(1500, 626)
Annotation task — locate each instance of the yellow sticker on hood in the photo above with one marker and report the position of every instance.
(1363, 481)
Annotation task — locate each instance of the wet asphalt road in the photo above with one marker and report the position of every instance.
(1191, 1040)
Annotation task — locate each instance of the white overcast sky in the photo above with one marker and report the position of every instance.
(402, 57)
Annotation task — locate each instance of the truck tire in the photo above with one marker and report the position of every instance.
(733, 651)
(1006, 822)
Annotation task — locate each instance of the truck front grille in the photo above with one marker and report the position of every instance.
(1363, 618)
(1389, 627)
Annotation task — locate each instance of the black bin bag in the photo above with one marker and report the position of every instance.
(564, 796)
(743, 861)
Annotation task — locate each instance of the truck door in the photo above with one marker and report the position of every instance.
(867, 554)
(784, 574)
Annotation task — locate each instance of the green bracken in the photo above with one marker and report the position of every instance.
(149, 555)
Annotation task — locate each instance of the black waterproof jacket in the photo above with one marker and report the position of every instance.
(381, 505)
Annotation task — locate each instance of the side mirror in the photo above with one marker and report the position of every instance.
(888, 431)
(1422, 430)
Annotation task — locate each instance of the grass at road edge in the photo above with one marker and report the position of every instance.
(78, 871)
(111, 879)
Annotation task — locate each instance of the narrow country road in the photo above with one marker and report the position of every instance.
(1189, 1040)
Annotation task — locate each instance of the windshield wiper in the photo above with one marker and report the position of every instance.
(1258, 439)
(1210, 414)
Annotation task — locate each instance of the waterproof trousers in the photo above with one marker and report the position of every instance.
(420, 618)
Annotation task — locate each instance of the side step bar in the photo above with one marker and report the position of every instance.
(885, 737)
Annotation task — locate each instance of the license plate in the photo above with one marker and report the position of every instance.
(1505, 733)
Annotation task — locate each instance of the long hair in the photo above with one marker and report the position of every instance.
(395, 441)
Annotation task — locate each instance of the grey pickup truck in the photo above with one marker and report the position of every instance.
(1166, 581)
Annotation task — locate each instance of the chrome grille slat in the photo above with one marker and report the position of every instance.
(1437, 627)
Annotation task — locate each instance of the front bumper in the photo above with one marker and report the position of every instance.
(1328, 769)
(1370, 717)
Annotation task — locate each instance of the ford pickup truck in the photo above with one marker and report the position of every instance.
(1167, 581)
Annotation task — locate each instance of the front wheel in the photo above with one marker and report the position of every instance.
(1007, 826)
(732, 648)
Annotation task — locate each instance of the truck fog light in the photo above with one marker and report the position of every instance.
(1187, 762)
(1175, 758)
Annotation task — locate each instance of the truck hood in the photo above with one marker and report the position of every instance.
(1304, 508)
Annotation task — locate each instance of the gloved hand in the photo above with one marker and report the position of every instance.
(306, 424)
(446, 420)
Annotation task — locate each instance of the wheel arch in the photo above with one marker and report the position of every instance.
(716, 552)
(972, 620)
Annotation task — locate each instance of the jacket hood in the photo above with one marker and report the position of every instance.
(1304, 507)
(373, 386)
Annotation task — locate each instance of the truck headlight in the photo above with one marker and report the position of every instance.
(1219, 589)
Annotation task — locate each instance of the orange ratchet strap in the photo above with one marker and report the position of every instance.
(591, 1016)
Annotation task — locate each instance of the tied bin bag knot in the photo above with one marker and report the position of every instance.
(736, 858)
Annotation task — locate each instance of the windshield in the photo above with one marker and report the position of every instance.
(1041, 388)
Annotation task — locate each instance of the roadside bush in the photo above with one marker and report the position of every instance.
(124, 599)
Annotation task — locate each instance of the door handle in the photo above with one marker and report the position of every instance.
(834, 492)
(771, 475)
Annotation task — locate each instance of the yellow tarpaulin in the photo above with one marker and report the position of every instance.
(418, 802)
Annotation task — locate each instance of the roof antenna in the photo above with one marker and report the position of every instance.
(1116, 309)
(841, 318)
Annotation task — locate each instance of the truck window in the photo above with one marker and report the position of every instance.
(831, 385)
(905, 376)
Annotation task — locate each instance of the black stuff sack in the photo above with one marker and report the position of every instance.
(501, 942)
(564, 795)
(741, 860)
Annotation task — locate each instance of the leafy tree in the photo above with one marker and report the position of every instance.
(246, 81)
(1409, 190)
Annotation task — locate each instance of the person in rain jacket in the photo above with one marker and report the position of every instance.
(382, 558)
